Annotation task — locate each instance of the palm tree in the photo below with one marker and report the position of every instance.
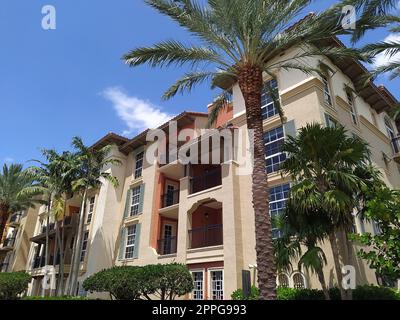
(15, 192)
(238, 41)
(55, 177)
(325, 164)
(91, 165)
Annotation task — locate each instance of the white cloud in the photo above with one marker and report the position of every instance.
(8, 160)
(383, 58)
(137, 114)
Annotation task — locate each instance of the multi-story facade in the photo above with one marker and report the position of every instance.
(201, 214)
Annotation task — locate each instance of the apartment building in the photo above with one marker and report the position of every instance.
(201, 214)
(15, 245)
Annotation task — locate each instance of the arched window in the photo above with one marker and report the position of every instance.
(298, 280)
(283, 280)
(392, 136)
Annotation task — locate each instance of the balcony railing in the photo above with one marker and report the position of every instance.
(51, 227)
(206, 236)
(210, 178)
(170, 198)
(167, 246)
(4, 266)
(15, 218)
(9, 242)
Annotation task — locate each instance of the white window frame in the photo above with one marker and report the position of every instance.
(134, 206)
(276, 154)
(291, 280)
(391, 133)
(209, 289)
(353, 111)
(277, 201)
(139, 169)
(278, 283)
(327, 91)
(90, 209)
(203, 271)
(265, 93)
(333, 123)
(133, 244)
(84, 246)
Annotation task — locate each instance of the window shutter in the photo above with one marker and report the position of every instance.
(141, 198)
(290, 129)
(122, 244)
(137, 241)
(128, 203)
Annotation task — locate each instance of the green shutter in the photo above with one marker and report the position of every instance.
(128, 202)
(290, 128)
(137, 242)
(122, 245)
(141, 198)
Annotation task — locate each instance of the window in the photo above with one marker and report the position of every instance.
(90, 210)
(198, 283)
(330, 121)
(139, 165)
(170, 195)
(268, 105)
(277, 202)
(135, 201)
(299, 281)
(392, 136)
(327, 91)
(84, 245)
(216, 285)
(273, 141)
(283, 280)
(353, 113)
(130, 241)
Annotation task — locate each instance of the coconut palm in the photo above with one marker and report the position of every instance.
(15, 192)
(91, 165)
(236, 42)
(325, 165)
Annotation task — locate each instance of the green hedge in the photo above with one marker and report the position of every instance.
(366, 292)
(12, 284)
(166, 281)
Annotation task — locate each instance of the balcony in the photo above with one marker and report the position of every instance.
(15, 220)
(8, 244)
(170, 198)
(167, 246)
(4, 266)
(208, 178)
(41, 236)
(206, 236)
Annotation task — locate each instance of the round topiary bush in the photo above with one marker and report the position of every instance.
(12, 284)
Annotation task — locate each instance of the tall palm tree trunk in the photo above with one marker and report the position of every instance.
(338, 269)
(78, 246)
(53, 291)
(251, 84)
(61, 270)
(350, 258)
(321, 279)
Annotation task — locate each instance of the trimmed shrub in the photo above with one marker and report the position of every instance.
(239, 294)
(366, 292)
(166, 281)
(12, 284)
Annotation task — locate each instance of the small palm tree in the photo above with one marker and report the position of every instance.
(91, 164)
(238, 41)
(324, 165)
(16, 192)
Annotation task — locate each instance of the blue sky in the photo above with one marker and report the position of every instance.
(71, 81)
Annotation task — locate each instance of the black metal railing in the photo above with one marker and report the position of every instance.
(4, 266)
(206, 236)
(167, 245)
(210, 178)
(15, 218)
(38, 262)
(51, 227)
(9, 242)
(170, 198)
